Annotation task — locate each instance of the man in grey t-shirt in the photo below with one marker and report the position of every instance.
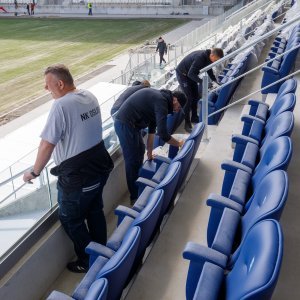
(73, 133)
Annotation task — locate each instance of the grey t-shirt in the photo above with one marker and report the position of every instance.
(74, 125)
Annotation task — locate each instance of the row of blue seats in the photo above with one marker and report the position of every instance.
(281, 67)
(244, 238)
(113, 265)
(220, 98)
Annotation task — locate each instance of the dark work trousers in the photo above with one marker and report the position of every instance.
(193, 93)
(133, 148)
(161, 58)
(79, 205)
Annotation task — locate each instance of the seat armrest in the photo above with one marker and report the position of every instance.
(162, 159)
(270, 70)
(210, 282)
(250, 119)
(55, 295)
(233, 166)
(225, 235)
(122, 211)
(253, 102)
(143, 182)
(218, 201)
(115, 240)
(199, 253)
(97, 249)
(243, 139)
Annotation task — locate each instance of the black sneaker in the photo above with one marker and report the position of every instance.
(195, 119)
(188, 127)
(77, 267)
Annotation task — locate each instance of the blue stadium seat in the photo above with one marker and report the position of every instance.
(147, 220)
(260, 108)
(157, 168)
(115, 266)
(195, 135)
(97, 291)
(254, 269)
(277, 69)
(168, 185)
(173, 121)
(239, 179)
(267, 202)
(247, 149)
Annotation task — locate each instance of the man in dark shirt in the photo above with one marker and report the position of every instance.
(126, 94)
(187, 75)
(145, 108)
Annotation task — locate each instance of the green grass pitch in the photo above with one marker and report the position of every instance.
(28, 46)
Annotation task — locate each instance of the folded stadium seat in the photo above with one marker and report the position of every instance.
(115, 266)
(173, 121)
(168, 185)
(146, 219)
(219, 99)
(281, 104)
(277, 69)
(254, 272)
(226, 230)
(240, 180)
(253, 126)
(156, 169)
(247, 149)
(97, 291)
(260, 109)
(195, 135)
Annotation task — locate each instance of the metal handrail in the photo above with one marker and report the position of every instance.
(255, 68)
(253, 93)
(266, 4)
(225, 58)
(245, 7)
(261, 38)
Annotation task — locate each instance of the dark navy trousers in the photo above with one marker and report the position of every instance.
(133, 148)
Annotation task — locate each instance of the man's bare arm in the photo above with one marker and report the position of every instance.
(43, 156)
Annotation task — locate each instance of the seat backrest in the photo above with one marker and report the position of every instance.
(148, 218)
(256, 263)
(168, 185)
(118, 267)
(225, 94)
(267, 202)
(196, 136)
(286, 102)
(184, 156)
(276, 156)
(288, 61)
(287, 87)
(280, 125)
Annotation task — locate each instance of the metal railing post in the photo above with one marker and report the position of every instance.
(122, 77)
(204, 106)
(12, 182)
(48, 188)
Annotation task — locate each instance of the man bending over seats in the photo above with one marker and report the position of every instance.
(145, 108)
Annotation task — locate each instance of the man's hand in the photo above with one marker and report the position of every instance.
(27, 177)
(181, 143)
(150, 155)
